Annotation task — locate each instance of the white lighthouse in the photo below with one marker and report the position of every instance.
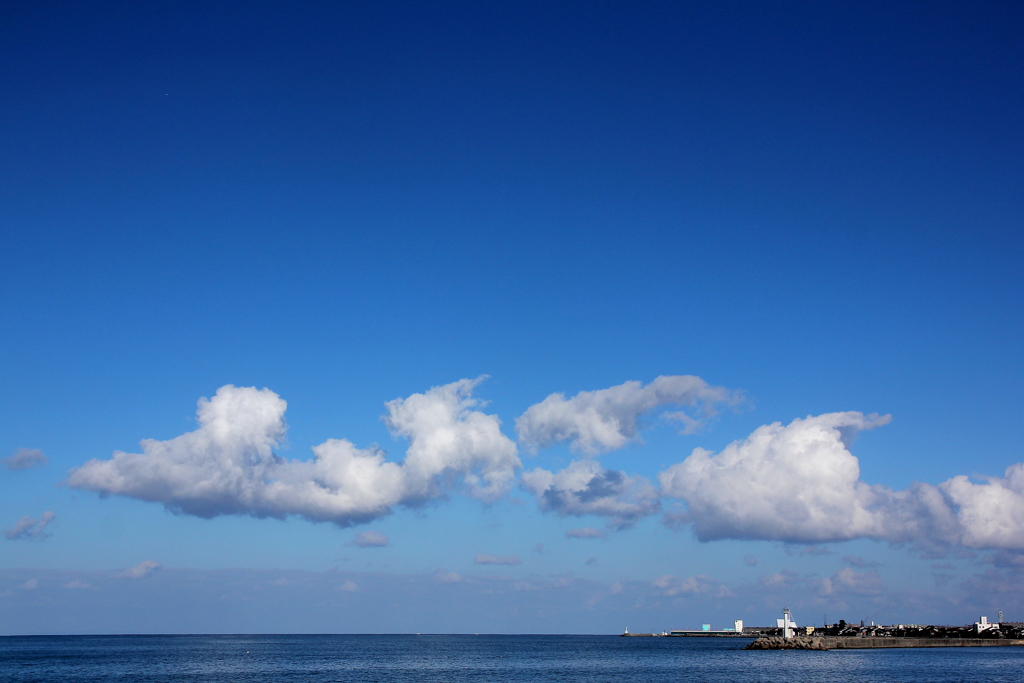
(785, 624)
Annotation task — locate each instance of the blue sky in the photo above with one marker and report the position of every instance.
(813, 209)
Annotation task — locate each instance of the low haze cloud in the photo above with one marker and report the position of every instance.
(807, 550)
(246, 600)
(496, 559)
(586, 488)
(371, 539)
(799, 483)
(141, 570)
(25, 458)
(692, 585)
(585, 532)
(28, 528)
(606, 419)
(858, 562)
(851, 582)
(228, 465)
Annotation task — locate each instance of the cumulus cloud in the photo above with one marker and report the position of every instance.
(228, 465)
(585, 532)
(799, 483)
(371, 539)
(141, 570)
(603, 420)
(25, 458)
(586, 488)
(989, 514)
(795, 483)
(448, 440)
(28, 528)
(496, 559)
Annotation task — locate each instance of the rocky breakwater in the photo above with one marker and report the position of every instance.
(780, 643)
(855, 643)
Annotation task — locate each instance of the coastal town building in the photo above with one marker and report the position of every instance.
(984, 625)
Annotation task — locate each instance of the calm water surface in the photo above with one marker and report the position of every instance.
(454, 659)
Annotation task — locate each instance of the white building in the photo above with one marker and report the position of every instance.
(983, 625)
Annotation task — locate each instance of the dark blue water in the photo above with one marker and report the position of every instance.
(453, 659)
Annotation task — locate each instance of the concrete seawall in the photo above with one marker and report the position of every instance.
(841, 643)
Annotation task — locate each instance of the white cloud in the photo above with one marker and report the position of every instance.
(28, 528)
(496, 559)
(586, 488)
(585, 532)
(799, 483)
(449, 440)
(371, 539)
(30, 585)
(795, 483)
(228, 465)
(25, 458)
(603, 420)
(141, 570)
(349, 587)
(989, 515)
(78, 584)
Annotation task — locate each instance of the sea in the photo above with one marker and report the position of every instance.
(477, 659)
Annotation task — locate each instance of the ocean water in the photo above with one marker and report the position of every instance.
(454, 659)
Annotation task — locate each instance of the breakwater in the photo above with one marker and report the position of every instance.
(690, 634)
(856, 643)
